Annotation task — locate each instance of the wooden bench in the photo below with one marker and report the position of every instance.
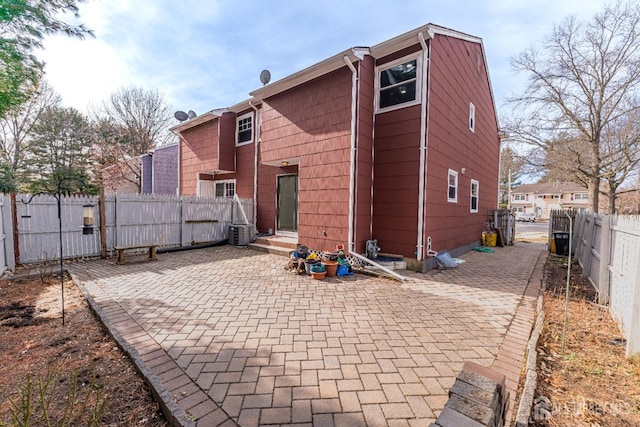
(122, 249)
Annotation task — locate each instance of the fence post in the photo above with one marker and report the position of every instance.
(183, 223)
(577, 237)
(633, 338)
(588, 236)
(7, 219)
(102, 210)
(116, 238)
(605, 258)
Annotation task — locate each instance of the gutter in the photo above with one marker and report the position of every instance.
(352, 155)
(424, 142)
(258, 136)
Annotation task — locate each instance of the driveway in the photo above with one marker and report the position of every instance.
(226, 336)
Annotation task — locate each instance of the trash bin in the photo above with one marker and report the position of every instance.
(561, 239)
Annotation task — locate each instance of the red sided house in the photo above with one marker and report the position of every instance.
(397, 142)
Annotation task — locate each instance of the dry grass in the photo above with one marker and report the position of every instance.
(591, 383)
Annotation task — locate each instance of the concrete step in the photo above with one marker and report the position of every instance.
(276, 250)
(279, 241)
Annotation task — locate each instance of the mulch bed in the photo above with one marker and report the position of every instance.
(35, 346)
(591, 383)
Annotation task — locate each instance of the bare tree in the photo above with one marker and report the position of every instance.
(130, 123)
(512, 168)
(143, 114)
(585, 78)
(16, 139)
(621, 157)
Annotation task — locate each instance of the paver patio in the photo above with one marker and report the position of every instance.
(227, 337)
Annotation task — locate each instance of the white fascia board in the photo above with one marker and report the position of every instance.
(321, 68)
(198, 120)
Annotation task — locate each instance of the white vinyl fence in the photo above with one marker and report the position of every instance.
(131, 219)
(608, 250)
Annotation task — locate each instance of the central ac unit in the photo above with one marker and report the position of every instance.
(240, 234)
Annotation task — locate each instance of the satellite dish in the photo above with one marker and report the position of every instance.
(181, 116)
(191, 114)
(265, 77)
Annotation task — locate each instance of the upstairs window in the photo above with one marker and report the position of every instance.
(474, 196)
(452, 193)
(520, 197)
(244, 129)
(398, 84)
(472, 117)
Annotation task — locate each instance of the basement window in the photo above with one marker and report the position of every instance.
(452, 194)
(398, 84)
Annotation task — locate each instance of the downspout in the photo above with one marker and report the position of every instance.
(424, 117)
(255, 166)
(352, 170)
(179, 189)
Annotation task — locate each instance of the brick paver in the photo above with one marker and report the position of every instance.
(234, 338)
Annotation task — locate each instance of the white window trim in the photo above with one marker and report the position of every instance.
(225, 181)
(199, 182)
(471, 196)
(238, 119)
(472, 117)
(386, 66)
(449, 174)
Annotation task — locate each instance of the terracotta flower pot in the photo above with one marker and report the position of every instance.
(331, 267)
(318, 276)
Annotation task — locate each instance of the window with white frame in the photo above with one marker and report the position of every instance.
(226, 188)
(518, 209)
(474, 196)
(519, 197)
(244, 129)
(472, 117)
(452, 193)
(581, 196)
(398, 83)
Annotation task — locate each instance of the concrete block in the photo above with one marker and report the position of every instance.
(450, 418)
(480, 413)
(476, 394)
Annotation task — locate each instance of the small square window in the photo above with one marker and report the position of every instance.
(452, 193)
(474, 196)
(472, 117)
(244, 129)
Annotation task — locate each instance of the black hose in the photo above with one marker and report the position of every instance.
(187, 248)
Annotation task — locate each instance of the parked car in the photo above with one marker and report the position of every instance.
(525, 217)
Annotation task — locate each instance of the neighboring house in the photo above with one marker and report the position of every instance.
(160, 170)
(541, 199)
(397, 142)
(153, 173)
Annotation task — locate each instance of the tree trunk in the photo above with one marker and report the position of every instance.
(594, 194)
(612, 200)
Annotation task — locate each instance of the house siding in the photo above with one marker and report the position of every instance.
(165, 169)
(311, 123)
(458, 77)
(397, 166)
(364, 154)
(147, 174)
(227, 142)
(198, 153)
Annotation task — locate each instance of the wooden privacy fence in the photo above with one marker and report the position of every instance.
(131, 219)
(607, 248)
(504, 220)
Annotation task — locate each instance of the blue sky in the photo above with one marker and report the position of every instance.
(203, 55)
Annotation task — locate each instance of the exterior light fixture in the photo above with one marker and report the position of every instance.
(87, 218)
(284, 163)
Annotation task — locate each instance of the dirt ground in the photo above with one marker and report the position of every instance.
(83, 363)
(591, 383)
